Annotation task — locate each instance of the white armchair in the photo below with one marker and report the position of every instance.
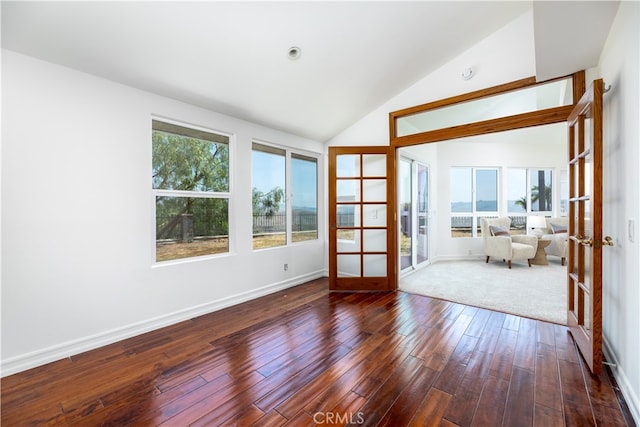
(556, 231)
(499, 243)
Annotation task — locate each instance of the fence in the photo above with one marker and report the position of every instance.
(466, 222)
(278, 222)
(187, 227)
(191, 227)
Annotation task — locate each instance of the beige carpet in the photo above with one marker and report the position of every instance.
(539, 292)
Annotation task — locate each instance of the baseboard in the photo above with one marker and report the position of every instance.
(630, 397)
(70, 348)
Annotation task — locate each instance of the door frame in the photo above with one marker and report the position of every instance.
(519, 121)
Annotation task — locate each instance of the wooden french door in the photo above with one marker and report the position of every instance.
(361, 219)
(586, 239)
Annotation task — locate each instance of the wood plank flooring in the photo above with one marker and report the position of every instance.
(306, 357)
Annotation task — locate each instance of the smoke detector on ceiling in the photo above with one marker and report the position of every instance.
(294, 53)
(467, 73)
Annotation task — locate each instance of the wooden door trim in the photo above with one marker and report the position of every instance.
(357, 284)
(591, 102)
(519, 121)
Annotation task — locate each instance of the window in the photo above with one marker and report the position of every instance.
(304, 198)
(540, 190)
(564, 193)
(523, 195)
(275, 221)
(190, 181)
(474, 194)
(269, 205)
(484, 107)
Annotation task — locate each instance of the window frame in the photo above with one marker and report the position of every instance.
(529, 187)
(475, 214)
(295, 154)
(220, 195)
(289, 154)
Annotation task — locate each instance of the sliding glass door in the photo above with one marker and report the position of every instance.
(406, 209)
(413, 203)
(422, 199)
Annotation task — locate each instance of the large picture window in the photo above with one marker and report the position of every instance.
(190, 181)
(283, 213)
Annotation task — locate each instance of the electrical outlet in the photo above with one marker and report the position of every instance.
(286, 267)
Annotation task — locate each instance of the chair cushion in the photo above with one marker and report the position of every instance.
(522, 251)
(558, 228)
(498, 231)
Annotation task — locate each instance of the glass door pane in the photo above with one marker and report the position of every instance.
(406, 210)
(361, 256)
(422, 241)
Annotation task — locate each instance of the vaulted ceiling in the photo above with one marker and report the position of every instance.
(233, 57)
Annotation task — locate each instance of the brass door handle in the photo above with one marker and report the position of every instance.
(608, 241)
(584, 241)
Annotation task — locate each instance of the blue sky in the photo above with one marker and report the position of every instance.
(269, 171)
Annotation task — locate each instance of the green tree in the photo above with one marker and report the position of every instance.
(522, 202)
(267, 203)
(191, 164)
(535, 197)
(185, 163)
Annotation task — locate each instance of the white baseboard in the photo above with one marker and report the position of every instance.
(630, 397)
(70, 348)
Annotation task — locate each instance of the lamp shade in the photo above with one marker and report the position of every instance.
(537, 221)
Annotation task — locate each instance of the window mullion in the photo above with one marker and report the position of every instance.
(287, 197)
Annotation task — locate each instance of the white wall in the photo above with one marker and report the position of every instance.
(620, 67)
(77, 221)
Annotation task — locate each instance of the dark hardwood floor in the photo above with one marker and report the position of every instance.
(304, 356)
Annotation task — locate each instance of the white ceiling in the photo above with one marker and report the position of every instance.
(231, 57)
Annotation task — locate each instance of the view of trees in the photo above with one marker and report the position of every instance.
(267, 203)
(535, 198)
(186, 161)
(190, 178)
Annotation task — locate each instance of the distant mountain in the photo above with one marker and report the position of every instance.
(303, 210)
